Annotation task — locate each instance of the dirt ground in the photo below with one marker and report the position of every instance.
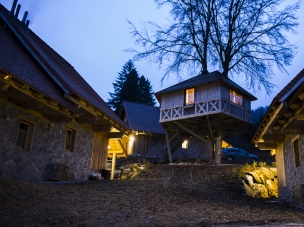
(164, 196)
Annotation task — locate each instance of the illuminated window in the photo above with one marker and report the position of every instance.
(189, 96)
(24, 136)
(236, 98)
(70, 139)
(297, 154)
(185, 144)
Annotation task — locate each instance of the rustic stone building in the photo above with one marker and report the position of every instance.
(282, 132)
(53, 125)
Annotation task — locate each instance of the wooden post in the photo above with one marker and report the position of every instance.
(113, 165)
(168, 146)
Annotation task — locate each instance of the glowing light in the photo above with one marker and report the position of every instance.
(109, 147)
(185, 144)
(131, 138)
(6, 77)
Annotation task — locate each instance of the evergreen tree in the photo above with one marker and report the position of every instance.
(115, 101)
(128, 86)
(130, 90)
(146, 92)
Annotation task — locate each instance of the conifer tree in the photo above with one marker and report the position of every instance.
(128, 86)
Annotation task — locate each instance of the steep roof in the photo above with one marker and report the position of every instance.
(142, 117)
(277, 106)
(204, 79)
(58, 70)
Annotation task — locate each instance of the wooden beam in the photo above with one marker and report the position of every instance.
(190, 131)
(267, 146)
(295, 114)
(4, 87)
(168, 146)
(102, 128)
(115, 135)
(84, 120)
(123, 148)
(32, 106)
(299, 117)
(274, 138)
(173, 136)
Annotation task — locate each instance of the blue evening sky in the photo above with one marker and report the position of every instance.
(91, 36)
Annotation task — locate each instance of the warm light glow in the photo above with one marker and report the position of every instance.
(185, 144)
(273, 152)
(109, 147)
(189, 96)
(236, 98)
(6, 77)
(131, 138)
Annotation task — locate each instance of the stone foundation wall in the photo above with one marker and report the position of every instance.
(294, 176)
(47, 147)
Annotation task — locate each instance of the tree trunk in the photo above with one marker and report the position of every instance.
(218, 149)
(210, 146)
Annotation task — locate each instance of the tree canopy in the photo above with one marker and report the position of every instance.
(128, 86)
(236, 37)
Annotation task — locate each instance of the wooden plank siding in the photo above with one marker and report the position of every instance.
(210, 98)
(204, 108)
(99, 152)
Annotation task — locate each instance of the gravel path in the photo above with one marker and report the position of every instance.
(164, 196)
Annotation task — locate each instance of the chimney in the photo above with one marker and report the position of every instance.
(17, 11)
(13, 7)
(27, 23)
(24, 17)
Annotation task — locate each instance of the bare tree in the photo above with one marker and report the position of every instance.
(237, 37)
(249, 38)
(184, 43)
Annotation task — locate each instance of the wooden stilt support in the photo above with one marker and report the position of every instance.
(113, 165)
(168, 146)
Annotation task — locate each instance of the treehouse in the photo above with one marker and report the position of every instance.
(187, 107)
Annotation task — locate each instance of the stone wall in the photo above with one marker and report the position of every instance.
(293, 175)
(47, 147)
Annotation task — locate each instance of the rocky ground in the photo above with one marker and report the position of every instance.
(164, 196)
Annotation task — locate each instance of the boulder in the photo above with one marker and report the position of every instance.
(134, 174)
(248, 189)
(249, 179)
(260, 191)
(256, 177)
(274, 171)
(268, 173)
(272, 188)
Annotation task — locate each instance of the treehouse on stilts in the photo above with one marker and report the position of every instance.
(204, 107)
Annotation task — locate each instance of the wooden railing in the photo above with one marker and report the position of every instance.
(205, 108)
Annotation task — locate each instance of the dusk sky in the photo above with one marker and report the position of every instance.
(91, 36)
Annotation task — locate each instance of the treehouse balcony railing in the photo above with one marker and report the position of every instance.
(205, 108)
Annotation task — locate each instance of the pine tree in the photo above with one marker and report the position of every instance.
(128, 86)
(130, 90)
(146, 92)
(115, 101)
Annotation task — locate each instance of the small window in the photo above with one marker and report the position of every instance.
(24, 136)
(297, 154)
(70, 139)
(236, 98)
(189, 96)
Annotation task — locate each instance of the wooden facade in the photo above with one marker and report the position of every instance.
(209, 99)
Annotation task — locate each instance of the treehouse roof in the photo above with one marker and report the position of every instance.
(205, 79)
